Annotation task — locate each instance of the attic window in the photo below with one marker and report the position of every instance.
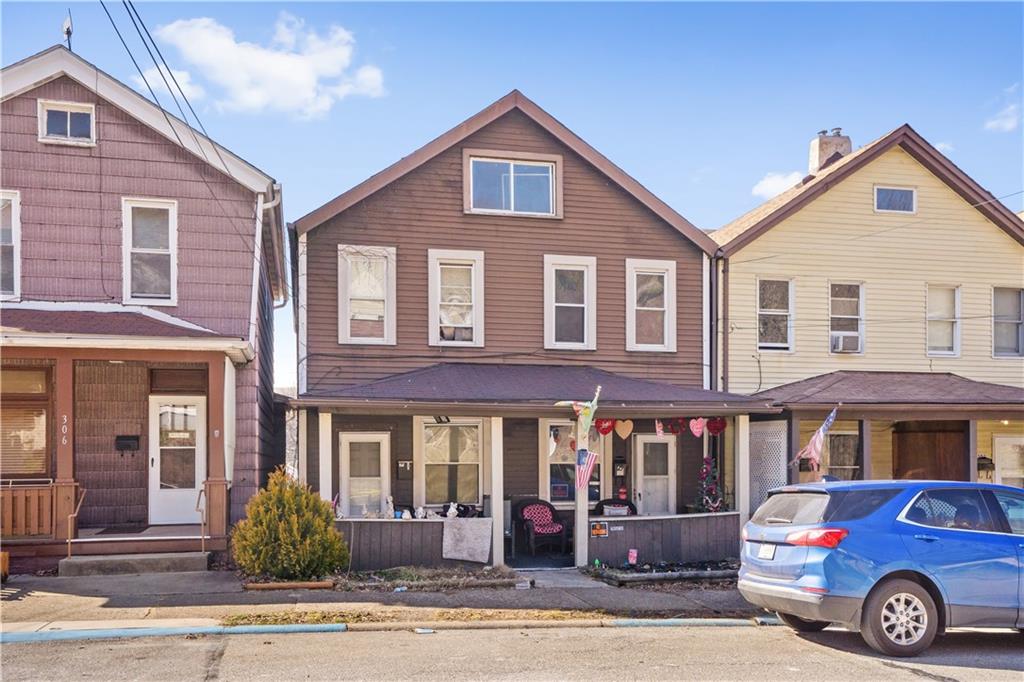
(512, 183)
(67, 123)
(895, 200)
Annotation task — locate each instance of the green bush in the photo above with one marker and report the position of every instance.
(288, 533)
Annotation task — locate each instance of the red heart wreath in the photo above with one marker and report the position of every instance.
(716, 425)
(604, 426)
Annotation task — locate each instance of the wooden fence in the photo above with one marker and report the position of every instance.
(694, 537)
(26, 510)
(382, 543)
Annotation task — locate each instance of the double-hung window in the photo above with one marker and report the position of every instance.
(456, 282)
(943, 320)
(366, 294)
(71, 123)
(512, 183)
(895, 200)
(453, 461)
(774, 314)
(10, 245)
(570, 302)
(650, 305)
(1007, 322)
(846, 318)
(844, 456)
(24, 422)
(558, 462)
(150, 243)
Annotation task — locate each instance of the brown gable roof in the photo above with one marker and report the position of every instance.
(893, 388)
(77, 322)
(740, 232)
(513, 100)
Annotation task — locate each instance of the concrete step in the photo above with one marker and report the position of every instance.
(127, 564)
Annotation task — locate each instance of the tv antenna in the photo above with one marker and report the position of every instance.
(66, 28)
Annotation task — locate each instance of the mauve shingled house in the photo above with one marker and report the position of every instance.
(448, 302)
(141, 263)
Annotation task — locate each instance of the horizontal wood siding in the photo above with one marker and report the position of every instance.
(26, 511)
(386, 544)
(71, 211)
(424, 210)
(678, 539)
(521, 462)
(839, 237)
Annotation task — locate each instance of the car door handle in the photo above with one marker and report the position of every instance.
(926, 538)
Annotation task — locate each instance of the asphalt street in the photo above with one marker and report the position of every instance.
(698, 653)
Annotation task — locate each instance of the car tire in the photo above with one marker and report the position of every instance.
(899, 618)
(802, 624)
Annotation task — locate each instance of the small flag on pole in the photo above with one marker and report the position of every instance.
(659, 428)
(812, 451)
(585, 460)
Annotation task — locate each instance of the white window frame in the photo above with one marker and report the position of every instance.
(390, 254)
(127, 204)
(1020, 332)
(14, 197)
(874, 199)
(46, 105)
(790, 345)
(860, 318)
(859, 468)
(955, 353)
(588, 264)
(419, 460)
(667, 269)
(544, 462)
(345, 440)
(551, 161)
(438, 257)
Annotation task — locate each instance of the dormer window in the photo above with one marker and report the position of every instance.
(895, 200)
(512, 183)
(67, 123)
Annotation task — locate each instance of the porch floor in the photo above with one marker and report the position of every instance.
(177, 532)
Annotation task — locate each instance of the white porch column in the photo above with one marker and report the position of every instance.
(497, 491)
(326, 451)
(303, 434)
(581, 532)
(743, 467)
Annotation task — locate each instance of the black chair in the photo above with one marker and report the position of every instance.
(540, 524)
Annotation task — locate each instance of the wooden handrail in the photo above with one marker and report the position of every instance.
(202, 519)
(74, 515)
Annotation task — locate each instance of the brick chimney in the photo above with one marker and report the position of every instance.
(824, 146)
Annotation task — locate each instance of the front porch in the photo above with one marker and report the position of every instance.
(496, 456)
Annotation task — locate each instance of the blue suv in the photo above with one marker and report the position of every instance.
(899, 561)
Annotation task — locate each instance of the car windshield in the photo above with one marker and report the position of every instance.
(797, 508)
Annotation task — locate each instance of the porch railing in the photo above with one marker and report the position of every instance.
(201, 508)
(26, 508)
(73, 517)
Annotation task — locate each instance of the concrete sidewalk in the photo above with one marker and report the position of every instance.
(213, 595)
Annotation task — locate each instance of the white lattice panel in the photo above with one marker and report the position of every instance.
(767, 459)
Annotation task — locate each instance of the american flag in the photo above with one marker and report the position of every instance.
(812, 450)
(585, 460)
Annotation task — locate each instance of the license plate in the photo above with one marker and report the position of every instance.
(766, 551)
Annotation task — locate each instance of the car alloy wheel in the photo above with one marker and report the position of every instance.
(904, 619)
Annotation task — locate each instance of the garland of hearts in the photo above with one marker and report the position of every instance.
(676, 425)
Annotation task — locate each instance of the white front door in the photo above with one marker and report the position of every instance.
(177, 457)
(1008, 457)
(365, 473)
(654, 477)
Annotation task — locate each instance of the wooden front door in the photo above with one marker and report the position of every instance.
(930, 451)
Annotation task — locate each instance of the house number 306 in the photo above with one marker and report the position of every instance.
(64, 430)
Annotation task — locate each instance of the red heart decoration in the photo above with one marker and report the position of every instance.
(697, 426)
(673, 426)
(716, 425)
(604, 426)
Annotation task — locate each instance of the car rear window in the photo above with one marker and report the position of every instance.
(797, 508)
(786, 509)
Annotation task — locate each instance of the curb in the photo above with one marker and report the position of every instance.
(420, 627)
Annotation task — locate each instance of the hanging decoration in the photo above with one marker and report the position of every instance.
(624, 427)
(716, 425)
(697, 426)
(659, 428)
(673, 426)
(710, 492)
(604, 426)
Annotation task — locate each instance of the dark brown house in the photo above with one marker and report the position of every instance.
(448, 302)
(141, 263)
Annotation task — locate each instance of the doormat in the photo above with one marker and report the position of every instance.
(122, 530)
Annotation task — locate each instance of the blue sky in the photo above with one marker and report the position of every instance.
(699, 102)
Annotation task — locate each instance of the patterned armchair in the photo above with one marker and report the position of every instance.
(540, 524)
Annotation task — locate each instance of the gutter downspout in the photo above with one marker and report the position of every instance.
(713, 317)
(257, 269)
(274, 203)
(725, 324)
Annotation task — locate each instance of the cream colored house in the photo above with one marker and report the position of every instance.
(889, 280)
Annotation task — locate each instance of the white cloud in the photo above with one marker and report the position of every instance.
(193, 91)
(301, 72)
(1006, 121)
(775, 183)
(944, 147)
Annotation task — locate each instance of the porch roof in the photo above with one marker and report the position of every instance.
(895, 390)
(528, 389)
(78, 322)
